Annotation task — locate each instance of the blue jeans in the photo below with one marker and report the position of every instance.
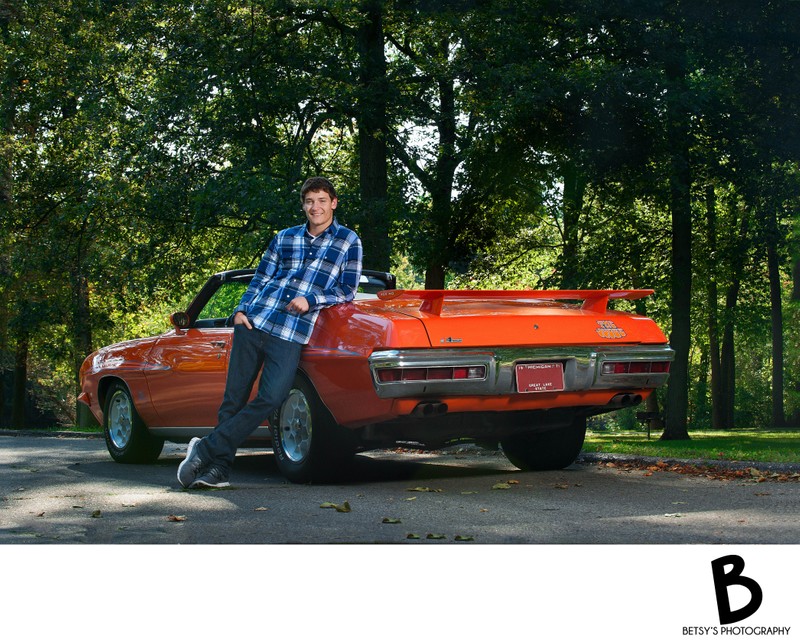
(252, 350)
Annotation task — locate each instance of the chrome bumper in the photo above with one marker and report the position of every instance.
(582, 369)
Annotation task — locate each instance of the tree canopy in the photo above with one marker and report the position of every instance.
(542, 143)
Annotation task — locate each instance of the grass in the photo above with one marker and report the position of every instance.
(760, 445)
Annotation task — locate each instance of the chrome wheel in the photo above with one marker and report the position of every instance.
(126, 435)
(120, 419)
(294, 426)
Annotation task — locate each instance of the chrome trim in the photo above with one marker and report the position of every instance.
(427, 359)
(582, 368)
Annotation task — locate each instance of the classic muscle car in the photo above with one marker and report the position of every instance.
(418, 368)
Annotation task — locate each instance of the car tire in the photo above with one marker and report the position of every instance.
(309, 445)
(127, 437)
(546, 450)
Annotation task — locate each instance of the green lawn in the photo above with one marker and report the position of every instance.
(762, 445)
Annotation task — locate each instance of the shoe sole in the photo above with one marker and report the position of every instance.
(197, 484)
(182, 467)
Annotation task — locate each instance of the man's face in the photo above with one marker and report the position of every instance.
(319, 207)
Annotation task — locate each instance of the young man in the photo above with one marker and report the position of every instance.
(305, 269)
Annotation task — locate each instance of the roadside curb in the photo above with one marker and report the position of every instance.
(723, 465)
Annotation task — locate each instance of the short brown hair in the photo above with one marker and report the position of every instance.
(316, 184)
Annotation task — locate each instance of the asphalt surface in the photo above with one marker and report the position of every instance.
(66, 489)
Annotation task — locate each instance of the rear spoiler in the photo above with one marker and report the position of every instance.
(593, 300)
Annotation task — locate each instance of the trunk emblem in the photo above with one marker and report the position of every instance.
(450, 340)
(609, 330)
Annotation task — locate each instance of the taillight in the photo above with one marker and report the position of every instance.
(621, 368)
(434, 373)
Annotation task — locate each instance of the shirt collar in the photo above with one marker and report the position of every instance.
(331, 229)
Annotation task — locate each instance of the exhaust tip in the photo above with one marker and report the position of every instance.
(429, 409)
(623, 400)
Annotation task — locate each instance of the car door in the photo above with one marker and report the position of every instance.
(188, 383)
(190, 365)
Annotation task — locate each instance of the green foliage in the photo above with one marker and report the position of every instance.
(528, 145)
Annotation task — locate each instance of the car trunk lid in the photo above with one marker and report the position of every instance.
(460, 318)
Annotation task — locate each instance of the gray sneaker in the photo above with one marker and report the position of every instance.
(212, 477)
(191, 465)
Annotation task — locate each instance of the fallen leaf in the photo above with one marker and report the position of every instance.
(172, 518)
(411, 498)
(463, 538)
(261, 509)
(412, 536)
(468, 493)
(39, 515)
(513, 481)
(391, 521)
(427, 489)
(561, 485)
(342, 508)
(484, 510)
(755, 472)
(128, 504)
(673, 515)
(435, 536)
(97, 513)
(327, 505)
(501, 485)
(77, 506)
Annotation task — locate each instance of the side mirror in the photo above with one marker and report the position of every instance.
(180, 320)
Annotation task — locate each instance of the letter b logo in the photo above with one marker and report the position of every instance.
(721, 583)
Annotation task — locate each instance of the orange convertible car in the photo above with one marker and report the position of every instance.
(418, 368)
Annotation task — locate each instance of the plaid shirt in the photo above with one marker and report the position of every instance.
(326, 270)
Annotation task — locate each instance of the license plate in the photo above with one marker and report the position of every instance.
(540, 377)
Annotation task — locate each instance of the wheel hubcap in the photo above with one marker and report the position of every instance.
(120, 423)
(295, 426)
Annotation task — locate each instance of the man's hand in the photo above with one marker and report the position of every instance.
(298, 305)
(241, 318)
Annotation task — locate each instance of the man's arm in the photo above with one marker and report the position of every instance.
(267, 268)
(346, 286)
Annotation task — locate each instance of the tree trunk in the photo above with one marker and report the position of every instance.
(434, 276)
(713, 318)
(372, 150)
(442, 183)
(574, 189)
(728, 352)
(677, 406)
(796, 280)
(20, 382)
(776, 306)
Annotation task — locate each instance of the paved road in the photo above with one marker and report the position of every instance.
(68, 490)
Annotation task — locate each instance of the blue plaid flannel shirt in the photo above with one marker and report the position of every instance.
(326, 270)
